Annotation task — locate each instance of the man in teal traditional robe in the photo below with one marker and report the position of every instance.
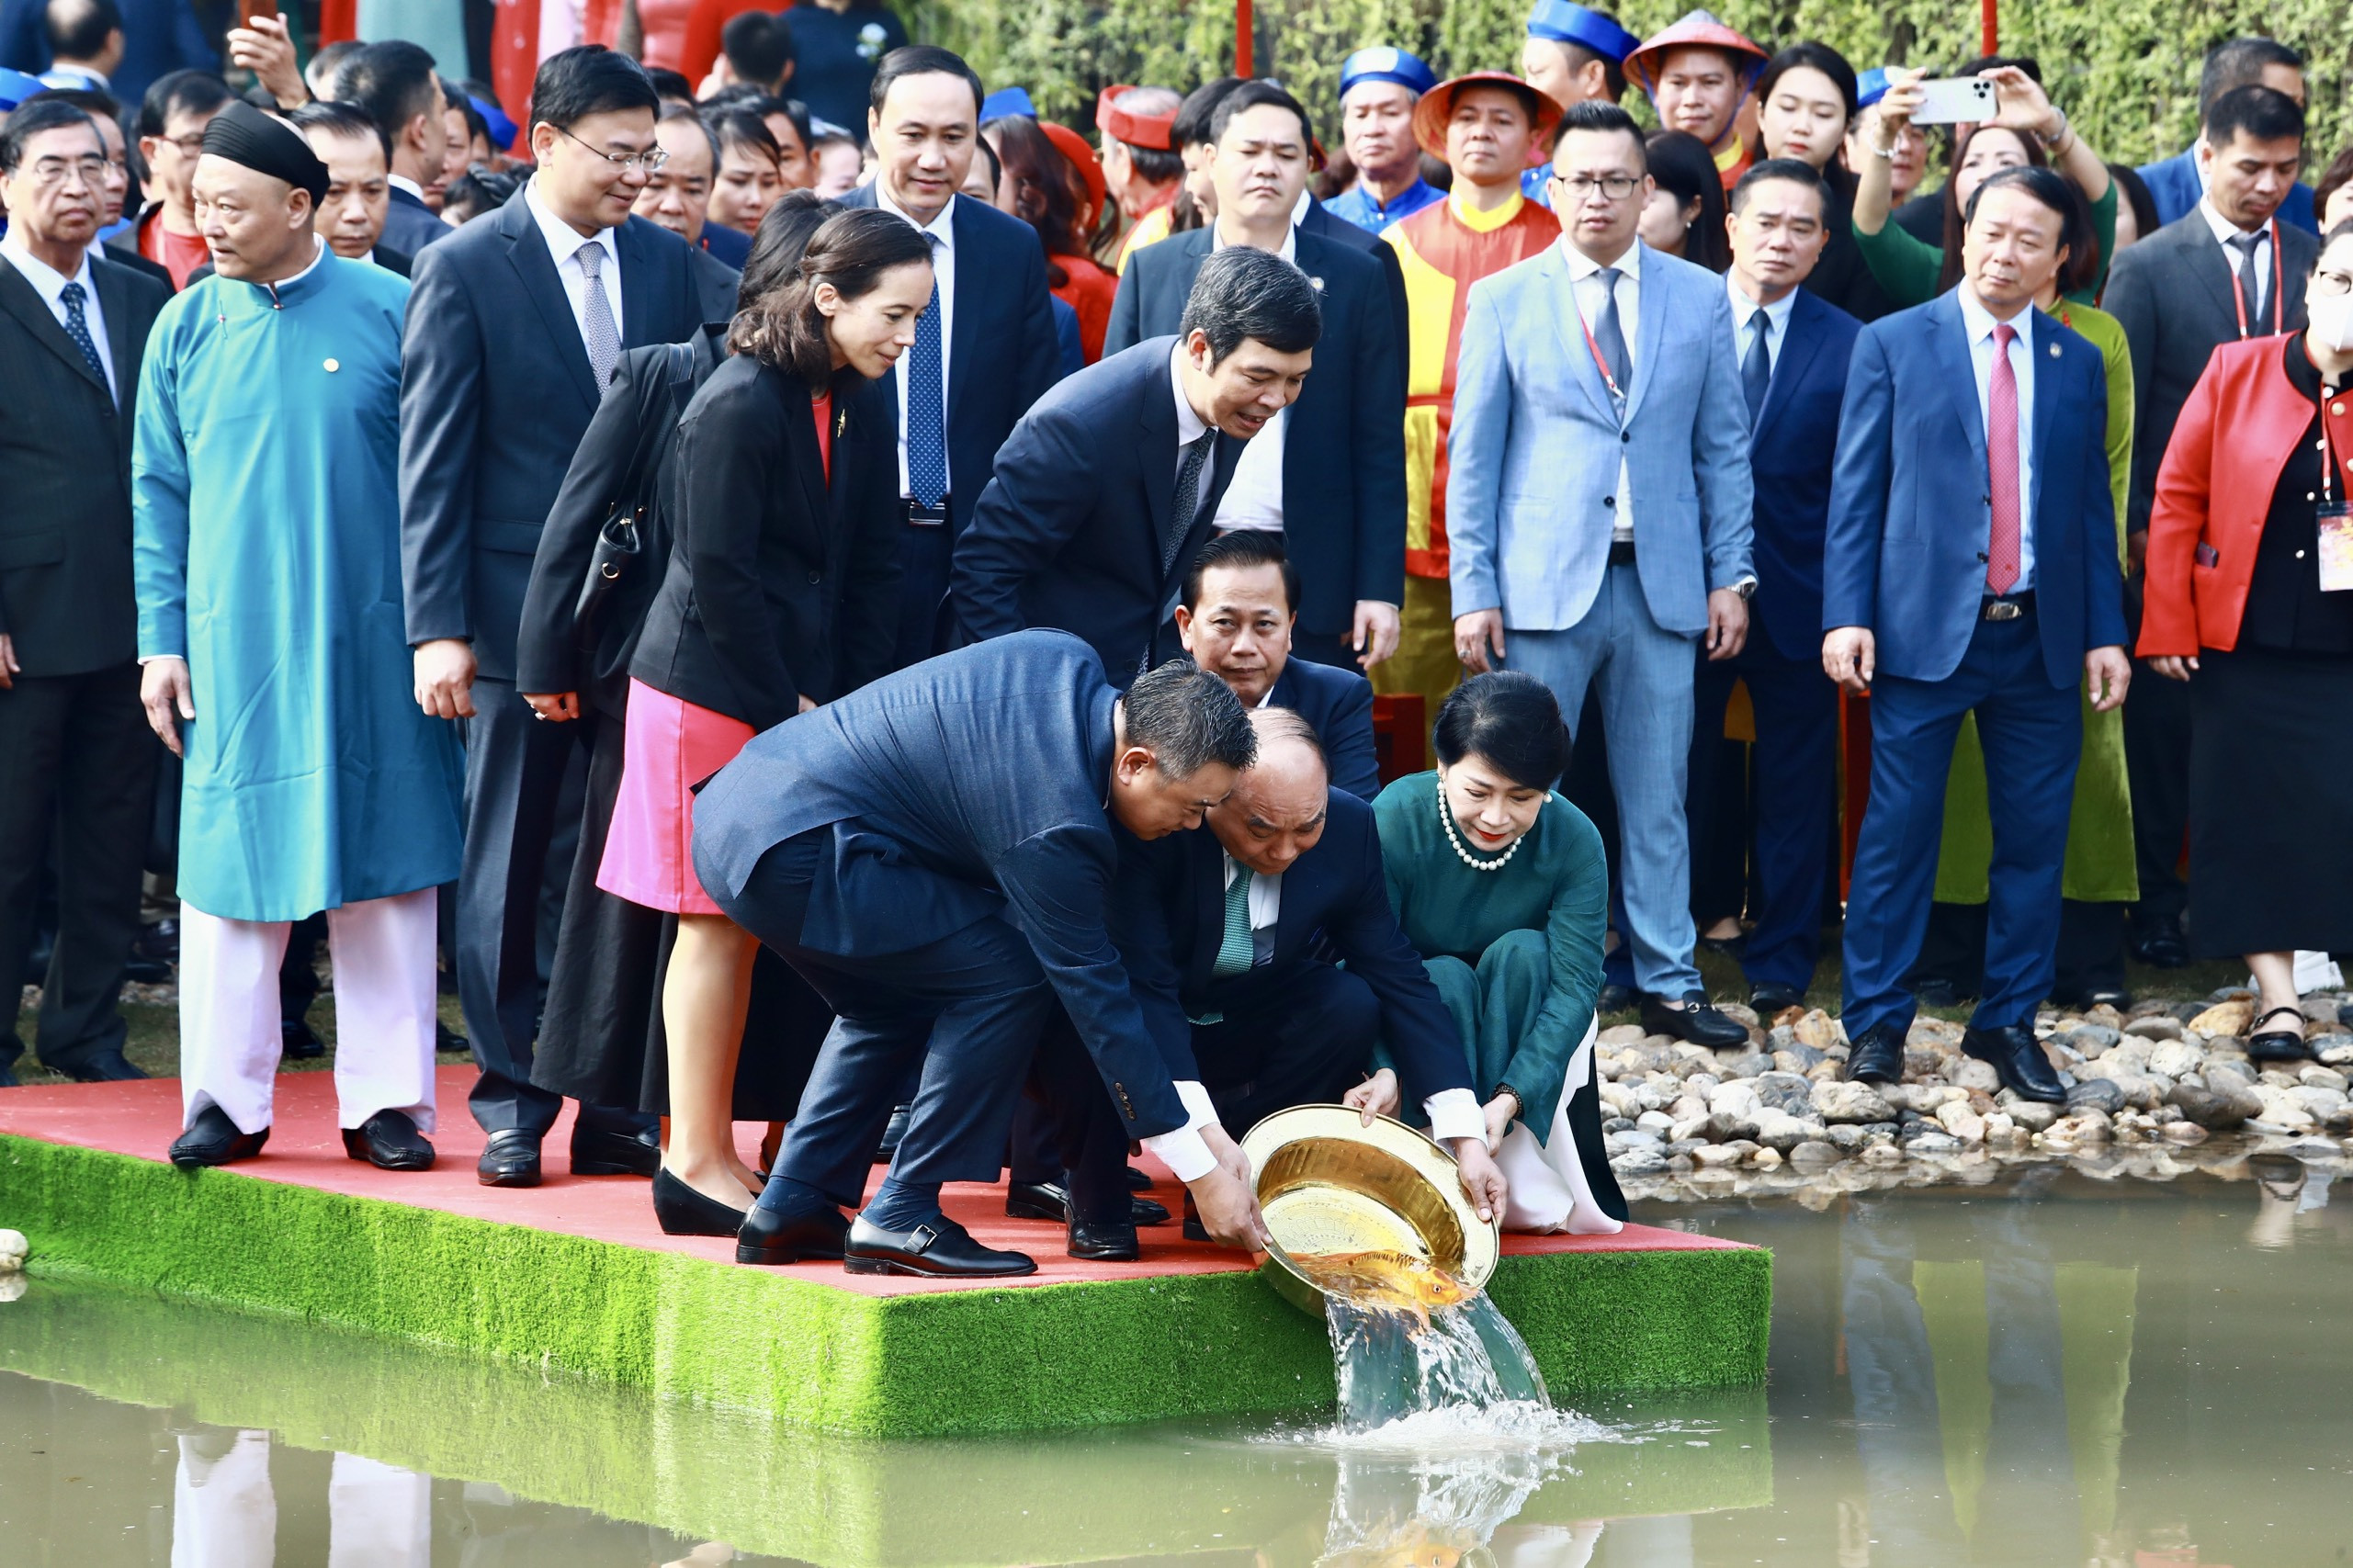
(267, 547)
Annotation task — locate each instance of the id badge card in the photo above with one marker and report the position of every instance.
(2335, 519)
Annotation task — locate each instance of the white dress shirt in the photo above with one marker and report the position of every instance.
(49, 284)
(563, 247)
(1254, 499)
(2224, 233)
(1190, 428)
(68, 77)
(1777, 316)
(943, 231)
(1979, 323)
(1591, 294)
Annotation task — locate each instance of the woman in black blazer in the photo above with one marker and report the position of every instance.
(780, 593)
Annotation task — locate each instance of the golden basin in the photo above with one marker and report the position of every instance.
(1328, 1183)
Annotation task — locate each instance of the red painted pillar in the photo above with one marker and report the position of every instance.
(1989, 26)
(1243, 65)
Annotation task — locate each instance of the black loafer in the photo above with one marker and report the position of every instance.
(1051, 1201)
(1768, 999)
(446, 1039)
(682, 1211)
(1112, 1243)
(299, 1041)
(938, 1249)
(1612, 997)
(598, 1152)
(103, 1066)
(1876, 1055)
(213, 1139)
(1936, 991)
(511, 1158)
(768, 1237)
(388, 1141)
(2016, 1056)
(1137, 1181)
(2157, 941)
(1697, 1021)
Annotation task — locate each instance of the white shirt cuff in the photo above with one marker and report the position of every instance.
(1185, 1152)
(1199, 1111)
(1455, 1113)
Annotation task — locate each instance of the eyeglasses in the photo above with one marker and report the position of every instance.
(1617, 187)
(190, 146)
(51, 172)
(643, 163)
(2328, 285)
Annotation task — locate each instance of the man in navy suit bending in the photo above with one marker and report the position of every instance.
(514, 327)
(1110, 484)
(1940, 608)
(1792, 349)
(1236, 619)
(984, 352)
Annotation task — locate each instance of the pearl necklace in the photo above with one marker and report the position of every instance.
(1446, 820)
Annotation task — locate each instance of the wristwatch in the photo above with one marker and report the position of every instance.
(1746, 588)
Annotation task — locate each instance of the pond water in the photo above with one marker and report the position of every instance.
(2053, 1368)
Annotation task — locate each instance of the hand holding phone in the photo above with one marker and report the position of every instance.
(1952, 100)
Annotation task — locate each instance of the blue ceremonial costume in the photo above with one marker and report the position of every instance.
(267, 549)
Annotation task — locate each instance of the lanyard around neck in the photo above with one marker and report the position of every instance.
(2279, 287)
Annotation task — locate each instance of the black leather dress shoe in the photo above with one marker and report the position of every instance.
(213, 1139)
(447, 1039)
(1112, 1243)
(511, 1158)
(1697, 1021)
(2017, 1055)
(596, 1151)
(301, 1042)
(101, 1066)
(1137, 1181)
(768, 1237)
(1612, 997)
(1051, 1201)
(388, 1141)
(1768, 999)
(1876, 1055)
(2157, 941)
(1936, 991)
(682, 1211)
(939, 1249)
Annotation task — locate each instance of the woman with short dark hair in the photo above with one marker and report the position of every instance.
(1684, 216)
(781, 595)
(1501, 885)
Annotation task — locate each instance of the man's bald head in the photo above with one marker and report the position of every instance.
(1279, 802)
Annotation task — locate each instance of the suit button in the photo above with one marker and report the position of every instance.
(1126, 1106)
(815, 577)
(1609, 501)
(1626, 436)
(1983, 558)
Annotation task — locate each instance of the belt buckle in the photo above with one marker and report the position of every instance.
(2004, 610)
(923, 516)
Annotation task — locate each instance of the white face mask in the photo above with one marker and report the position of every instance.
(2332, 318)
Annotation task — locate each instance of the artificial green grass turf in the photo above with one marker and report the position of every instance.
(713, 1474)
(814, 1355)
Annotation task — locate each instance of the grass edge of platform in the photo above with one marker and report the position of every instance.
(983, 1360)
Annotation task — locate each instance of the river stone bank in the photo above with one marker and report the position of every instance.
(2157, 1090)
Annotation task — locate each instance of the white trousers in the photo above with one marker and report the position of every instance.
(230, 1040)
(1548, 1189)
(224, 1514)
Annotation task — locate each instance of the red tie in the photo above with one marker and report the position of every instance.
(2001, 456)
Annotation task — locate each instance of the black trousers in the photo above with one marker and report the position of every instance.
(77, 763)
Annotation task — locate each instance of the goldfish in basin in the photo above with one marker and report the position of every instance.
(1384, 1281)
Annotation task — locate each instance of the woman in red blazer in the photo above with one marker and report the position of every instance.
(2250, 599)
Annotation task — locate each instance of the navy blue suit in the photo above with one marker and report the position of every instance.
(410, 225)
(1339, 703)
(496, 393)
(1343, 445)
(1791, 452)
(1905, 557)
(158, 37)
(932, 853)
(1068, 533)
(1002, 354)
(2173, 186)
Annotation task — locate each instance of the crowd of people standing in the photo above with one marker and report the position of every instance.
(888, 645)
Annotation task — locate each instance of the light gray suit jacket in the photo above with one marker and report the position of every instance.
(1535, 450)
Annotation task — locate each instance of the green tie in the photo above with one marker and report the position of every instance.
(1234, 952)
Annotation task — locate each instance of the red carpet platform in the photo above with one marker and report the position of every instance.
(576, 1273)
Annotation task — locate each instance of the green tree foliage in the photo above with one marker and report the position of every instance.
(2125, 70)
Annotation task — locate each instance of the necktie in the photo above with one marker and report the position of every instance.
(1234, 950)
(598, 333)
(2250, 281)
(2001, 458)
(1610, 337)
(1188, 498)
(1757, 368)
(77, 327)
(927, 445)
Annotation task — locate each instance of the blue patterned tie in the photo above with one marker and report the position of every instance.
(1235, 951)
(1757, 369)
(927, 447)
(1610, 337)
(77, 327)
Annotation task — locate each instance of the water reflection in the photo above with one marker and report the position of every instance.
(2057, 1370)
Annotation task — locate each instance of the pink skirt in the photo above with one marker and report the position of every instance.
(671, 745)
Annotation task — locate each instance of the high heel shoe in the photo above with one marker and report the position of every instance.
(682, 1211)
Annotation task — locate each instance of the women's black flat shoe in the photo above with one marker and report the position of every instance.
(682, 1211)
(2279, 1045)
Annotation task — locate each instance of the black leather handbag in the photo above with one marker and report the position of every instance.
(618, 570)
